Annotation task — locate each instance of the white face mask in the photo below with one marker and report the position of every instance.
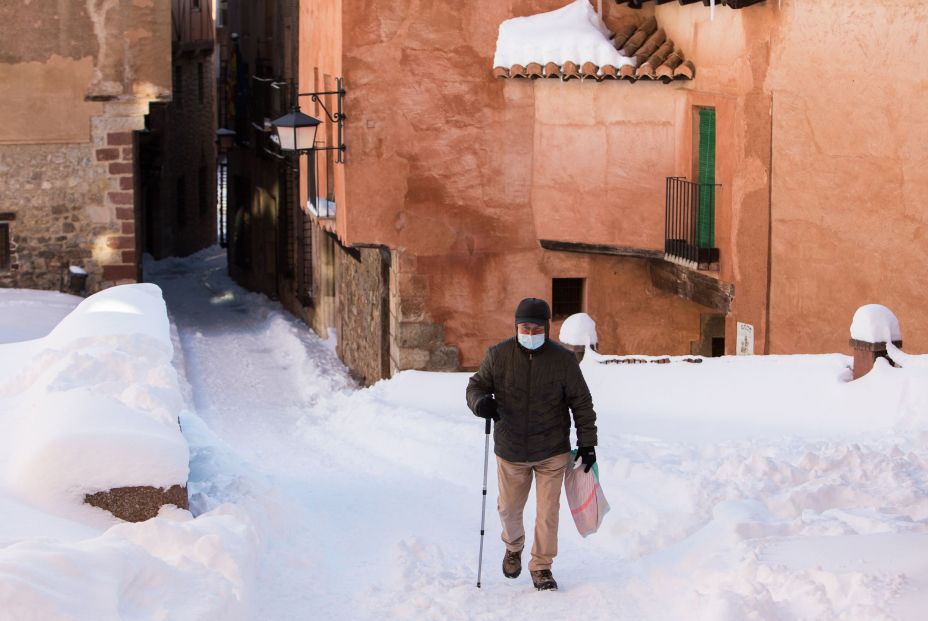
(531, 341)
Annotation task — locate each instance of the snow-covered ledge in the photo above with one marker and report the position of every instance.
(90, 412)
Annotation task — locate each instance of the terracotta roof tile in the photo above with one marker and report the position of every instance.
(656, 56)
(685, 71)
(570, 71)
(734, 4)
(641, 35)
(623, 34)
(552, 70)
(608, 72)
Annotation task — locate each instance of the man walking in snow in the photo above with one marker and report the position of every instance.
(529, 385)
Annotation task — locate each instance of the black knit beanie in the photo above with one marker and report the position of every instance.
(533, 310)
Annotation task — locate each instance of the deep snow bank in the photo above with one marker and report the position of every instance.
(94, 405)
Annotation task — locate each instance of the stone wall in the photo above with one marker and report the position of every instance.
(73, 205)
(363, 320)
(417, 341)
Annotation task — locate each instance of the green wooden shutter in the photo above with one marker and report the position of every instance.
(705, 225)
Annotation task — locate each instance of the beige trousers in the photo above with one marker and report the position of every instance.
(515, 481)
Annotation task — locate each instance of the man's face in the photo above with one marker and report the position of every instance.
(530, 328)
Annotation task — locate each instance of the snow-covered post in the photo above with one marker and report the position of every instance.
(873, 326)
(577, 332)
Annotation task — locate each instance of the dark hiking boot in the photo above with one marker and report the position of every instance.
(543, 580)
(512, 564)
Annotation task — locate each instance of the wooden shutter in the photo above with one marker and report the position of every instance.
(705, 233)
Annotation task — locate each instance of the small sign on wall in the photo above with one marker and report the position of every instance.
(745, 341)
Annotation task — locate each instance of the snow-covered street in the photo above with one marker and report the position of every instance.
(367, 501)
(741, 488)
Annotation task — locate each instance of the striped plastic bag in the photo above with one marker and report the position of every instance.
(585, 496)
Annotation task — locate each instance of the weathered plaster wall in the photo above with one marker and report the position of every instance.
(475, 300)
(850, 171)
(602, 152)
(466, 173)
(76, 53)
(78, 85)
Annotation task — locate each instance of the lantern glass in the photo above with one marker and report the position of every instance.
(296, 138)
(296, 131)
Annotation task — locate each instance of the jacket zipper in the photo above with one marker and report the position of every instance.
(528, 399)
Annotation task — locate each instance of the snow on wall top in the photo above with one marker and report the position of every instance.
(579, 330)
(573, 33)
(874, 323)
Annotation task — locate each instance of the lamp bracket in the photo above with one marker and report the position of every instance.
(337, 117)
(315, 97)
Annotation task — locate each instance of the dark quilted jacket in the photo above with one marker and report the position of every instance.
(533, 392)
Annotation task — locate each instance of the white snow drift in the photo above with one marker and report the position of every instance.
(90, 406)
(766, 487)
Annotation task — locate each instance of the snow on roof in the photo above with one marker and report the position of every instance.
(573, 33)
(874, 323)
(579, 330)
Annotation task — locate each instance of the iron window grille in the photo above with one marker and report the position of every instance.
(566, 297)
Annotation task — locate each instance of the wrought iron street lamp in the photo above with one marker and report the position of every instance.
(296, 131)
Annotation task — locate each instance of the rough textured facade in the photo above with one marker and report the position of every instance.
(819, 170)
(67, 148)
(363, 318)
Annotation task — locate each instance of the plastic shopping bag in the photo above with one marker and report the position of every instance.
(585, 496)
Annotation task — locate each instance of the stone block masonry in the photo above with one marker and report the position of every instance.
(73, 204)
(363, 314)
(416, 341)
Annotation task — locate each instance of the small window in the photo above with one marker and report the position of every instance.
(181, 198)
(4, 246)
(202, 190)
(179, 85)
(566, 297)
(201, 91)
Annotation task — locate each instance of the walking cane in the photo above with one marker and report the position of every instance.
(483, 510)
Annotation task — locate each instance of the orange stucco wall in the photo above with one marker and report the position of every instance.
(818, 149)
(468, 173)
(850, 170)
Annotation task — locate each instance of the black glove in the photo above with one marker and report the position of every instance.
(486, 408)
(588, 455)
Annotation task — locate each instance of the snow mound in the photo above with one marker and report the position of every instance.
(95, 404)
(874, 323)
(579, 330)
(572, 33)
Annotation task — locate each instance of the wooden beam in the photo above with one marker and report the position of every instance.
(692, 285)
(608, 249)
